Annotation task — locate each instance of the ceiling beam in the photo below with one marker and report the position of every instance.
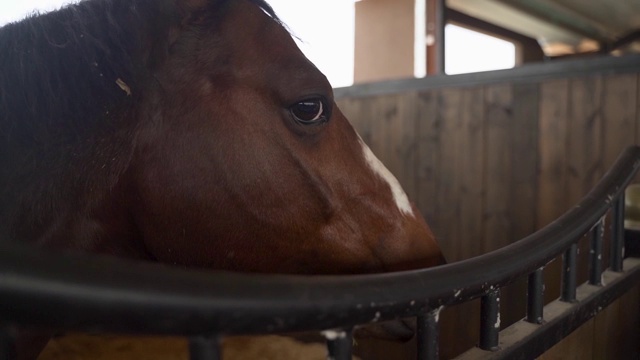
(556, 13)
(517, 20)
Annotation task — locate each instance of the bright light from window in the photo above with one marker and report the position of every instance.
(470, 51)
(326, 32)
(420, 39)
(16, 10)
(326, 29)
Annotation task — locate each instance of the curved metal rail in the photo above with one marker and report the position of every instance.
(81, 292)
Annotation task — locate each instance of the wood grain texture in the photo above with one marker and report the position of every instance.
(496, 162)
(552, 200)
(471, 149)
(584, 139)
(499, 117)
(577, 346)
(428, 143)
(524, 159)
(585, 147)
(459, 328)
(620, 115)
(460, 115)
(461, 152)
(511, 156)
(619, 320)
(109, 347)
(511, 166)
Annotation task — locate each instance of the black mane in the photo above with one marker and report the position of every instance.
(60, 70)
(66, 76)
(68, 68)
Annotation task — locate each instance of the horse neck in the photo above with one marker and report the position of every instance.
(94, 51)
(66, 124)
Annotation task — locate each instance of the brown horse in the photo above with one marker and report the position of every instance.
(194, 133)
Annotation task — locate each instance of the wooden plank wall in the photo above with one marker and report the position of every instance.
(490, 164)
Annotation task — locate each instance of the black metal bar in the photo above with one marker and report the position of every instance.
(595, 258)
(569, 274)
(339, 344)
(441, 23)
(205, 348)
(617, 234)
(631, 243)
(621, 41)
(490, 320)
(535, 297)
(436, 17)
(73, 291)
(521, 74)
(523, 341)
(428, 335)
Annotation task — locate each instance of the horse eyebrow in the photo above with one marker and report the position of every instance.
(268, 9)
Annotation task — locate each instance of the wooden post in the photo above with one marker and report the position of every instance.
(384, 40)
(436, 22)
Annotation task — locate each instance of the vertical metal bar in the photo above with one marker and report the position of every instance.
(617, 233)
(441, 23)
(535, 297)
(428, 335)
(595, 257)
(430, 16)
(339, 344)
(569, 274)
(490, 320)
(436, 23)
(205, 348)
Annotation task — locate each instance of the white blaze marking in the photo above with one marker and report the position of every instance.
(402, 201)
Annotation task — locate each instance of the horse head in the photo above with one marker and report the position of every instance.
(195, 133)
(244, 161)
(201, 136)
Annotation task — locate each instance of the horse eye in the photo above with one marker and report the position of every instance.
(310, 111)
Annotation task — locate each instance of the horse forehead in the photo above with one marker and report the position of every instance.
(263, 51)
(250, 29)
(268, 39)
(400, 197)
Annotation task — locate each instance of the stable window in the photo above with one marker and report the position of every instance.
(471, 51)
